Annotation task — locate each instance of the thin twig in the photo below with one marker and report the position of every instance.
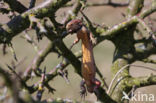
(32, 4)
(125, 67)
(12, 51)
(30, 40)
(103, 4)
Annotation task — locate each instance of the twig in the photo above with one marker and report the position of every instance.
(111, 33)
(4, 49)
(12, 51)
(41, 86)
(50, 89)
(61, 66)
(38, 25)
(14, 72)
(102, 78)
(9, 30)
(104, 4)
(9, 83)
(30, 40)
(125, 67)
(15, 29)
(32, 3)
(38, 59)
(90, 25)
(142, 81)
(149, 61)
(147, 12)
(73, 12)
(15, 5)
(135, 7)
(148, 29)
(4, 94)
(145, 26)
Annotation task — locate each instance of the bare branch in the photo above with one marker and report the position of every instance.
(73, 12)
(21, 22)
(103, 4)
(13, 51)
(149, 61)
(16, 6)
(110, 33)
(148, 11)
(9, 83)
(30, 40)
(121, 70)
(135, 7)
(38, 60)
(141, 81)
(141, 54)
(32, 3)
(41, 86)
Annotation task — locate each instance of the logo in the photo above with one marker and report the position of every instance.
(138, 97)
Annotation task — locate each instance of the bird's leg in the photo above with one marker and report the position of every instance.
(83, 91)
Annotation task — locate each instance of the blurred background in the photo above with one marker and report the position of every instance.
(103, 53)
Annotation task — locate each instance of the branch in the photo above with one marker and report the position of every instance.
(124, 25)
(141, 54)
(95, 30)
(41, 86)
(10, 84)
(16, 6)
(90, 25)
(65, 52)
(145, 26)
(103, 4)
(126, 67)
(53, 73)
(8, 32)
(61, 47)
(30, 40)
(111, 33)
(135, 7)
(32, 3)
(149, 61)
(148, 29)
(130, 81)
(6, 77)
(109, 4)
(130, 21)
(73, 12)
(21, 22)
(147, 12)
(141, 81)
(123, 52)
(38, 60)
(61, 66)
